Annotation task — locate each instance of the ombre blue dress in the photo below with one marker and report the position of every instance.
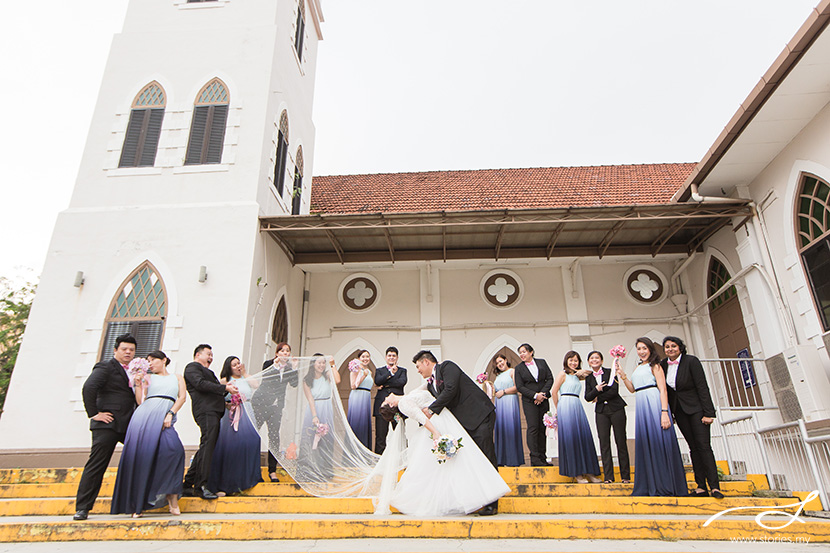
(658, 467)
(321, 390)
(577, 453)
(360, 411)
(152, 461)
(237, 456)
(508, 432)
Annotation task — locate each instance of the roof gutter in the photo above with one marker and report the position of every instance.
(696, 197)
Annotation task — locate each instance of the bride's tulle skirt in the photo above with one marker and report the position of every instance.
(463, 484)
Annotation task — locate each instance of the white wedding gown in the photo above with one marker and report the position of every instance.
(461, 485)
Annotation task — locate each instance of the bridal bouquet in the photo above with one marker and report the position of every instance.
(322, 430)
(138, 367)
(354, 365)
(446, 447)
(237, 401)
(482, 378)
(617, 352)
(551, 422)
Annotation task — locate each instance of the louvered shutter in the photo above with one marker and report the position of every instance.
(133, 138)
(151, 138)
(279, 167)
(146, 333)
(197, 135)
(216, 136)
(114, 330)
(298, 193)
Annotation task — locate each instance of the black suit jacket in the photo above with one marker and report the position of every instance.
(527, 386)
(108, 390)
(392, 384)
(207, 394)
(608, 400)
(691, 392)
(456, 391)
(290, 376)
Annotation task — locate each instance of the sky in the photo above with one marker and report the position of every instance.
(417, 85)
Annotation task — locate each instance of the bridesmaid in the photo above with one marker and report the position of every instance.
(508, 431)
(360, 400)
(318, 385)
(658, 467)
(151, 468)
(577, 454)
(237, 456)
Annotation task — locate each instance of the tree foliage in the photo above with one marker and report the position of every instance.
(15, 303)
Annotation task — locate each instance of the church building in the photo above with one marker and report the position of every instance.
(195, 219)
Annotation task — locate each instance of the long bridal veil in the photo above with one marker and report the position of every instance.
(297, 407)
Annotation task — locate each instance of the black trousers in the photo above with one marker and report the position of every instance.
(199, 471)
(482, 435)
(698, 437)
(269, 403)
(536, 439)
(381, 431)
(104, 441)
(605, 421)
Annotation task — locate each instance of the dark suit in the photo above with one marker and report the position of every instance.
(106, 390)
(610, 411)
(528, 387)
(689, 401)
(269, 401)
(387, 383)
(207, 396)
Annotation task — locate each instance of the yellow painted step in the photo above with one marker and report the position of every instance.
(73, 475)
(330, 527)
(515, 505)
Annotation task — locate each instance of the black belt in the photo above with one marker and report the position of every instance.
(363, 389)
(163, 397)
(569, 394)
(645, 387)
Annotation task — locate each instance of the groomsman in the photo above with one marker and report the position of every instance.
(109, 402)
(207, 395)
(456, 391)
(534, 381)
(390, 379)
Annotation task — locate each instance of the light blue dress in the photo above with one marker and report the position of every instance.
(658, 466)
(508, 432)
(152, 461)
(360, 411)
(577, 453)
(321, 392)
(236, 458)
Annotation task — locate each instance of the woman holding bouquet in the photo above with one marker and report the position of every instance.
(577, 454)
(360, 398)
(236, 459)
(508, 432)
(315, 444)
(151, 468)
(658, 467)
(603, 389)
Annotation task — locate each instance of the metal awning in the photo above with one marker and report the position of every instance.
(500, 234)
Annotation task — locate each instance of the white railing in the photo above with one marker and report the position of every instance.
(739, 384)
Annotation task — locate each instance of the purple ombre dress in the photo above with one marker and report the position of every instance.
(658, 466)
(508, 432)
(360, 411)
(152, 461)
(577, 453)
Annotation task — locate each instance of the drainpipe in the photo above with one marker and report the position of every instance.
(304, 316)
(696, 197)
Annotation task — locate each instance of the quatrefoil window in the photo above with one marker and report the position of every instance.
(501, 288)
(645, 285)
(359, 292)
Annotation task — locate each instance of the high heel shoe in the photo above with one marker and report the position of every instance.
(175, 511)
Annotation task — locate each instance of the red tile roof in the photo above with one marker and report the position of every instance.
(541, 187)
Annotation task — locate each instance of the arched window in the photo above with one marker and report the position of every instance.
(207, 131)
(279, 329)
(813, 232)
(300, 31)
(140, 308)
(297, 194)
(718, 276)
(143, 130)
(282, 154)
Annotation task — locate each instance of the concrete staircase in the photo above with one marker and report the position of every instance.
(37, 504)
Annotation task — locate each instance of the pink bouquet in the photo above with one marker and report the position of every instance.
(237, 401)
(138, 367)
(354, 365)
(617, 352)
(551, 422)
(482, 378)
(322, 430)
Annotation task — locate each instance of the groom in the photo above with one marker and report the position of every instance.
(453, 389)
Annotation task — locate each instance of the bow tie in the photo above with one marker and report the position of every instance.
(675, 362)
(430, 380)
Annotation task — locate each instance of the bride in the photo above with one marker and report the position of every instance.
(462, 484)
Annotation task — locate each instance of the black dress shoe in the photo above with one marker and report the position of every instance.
(81, 514)
(188, 492)
(717, 494)
(205, 493)
(487, 511)
(700, 493)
